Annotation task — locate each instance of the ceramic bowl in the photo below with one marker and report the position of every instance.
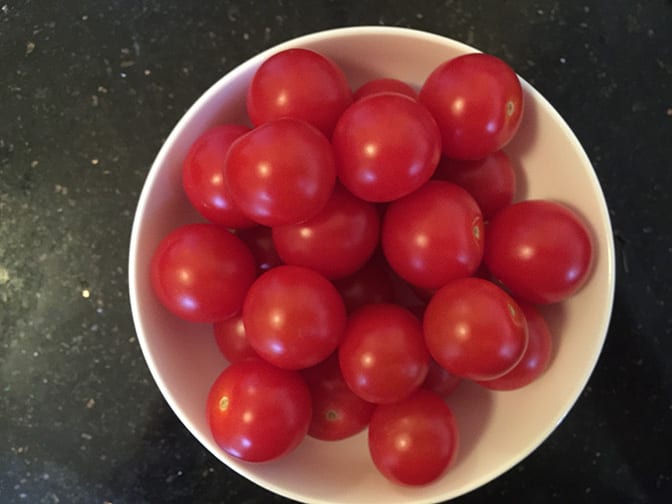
(498, 429)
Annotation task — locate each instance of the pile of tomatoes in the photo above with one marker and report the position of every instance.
(363, 255)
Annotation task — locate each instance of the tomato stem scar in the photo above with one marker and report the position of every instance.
(332, 415)
(510, 107)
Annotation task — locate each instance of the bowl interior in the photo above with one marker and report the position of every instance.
(498, 429)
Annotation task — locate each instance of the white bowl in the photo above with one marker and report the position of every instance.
(498, 429)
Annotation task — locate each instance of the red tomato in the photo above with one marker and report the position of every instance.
(477, 101)
(337, 412)
(409, 296)
(260, 241)
(383, 357)
(201, 272)
(540, 250)
(258, 412)
(301, 84)
(281, 172)
(423, 294)
(433, 235)
(203, 179)
(337, 241)
(474, 329)
(535, 359)
(294, 317)
(414, 441)
(491, 181)
(482, 272)
(386, 146)
(231, 339)
(440, 381)
(419, 311)
(377, 86)
(370, 284)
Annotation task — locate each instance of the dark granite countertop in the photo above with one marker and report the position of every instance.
(88, 92)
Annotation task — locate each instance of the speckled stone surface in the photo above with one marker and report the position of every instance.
(88, 92)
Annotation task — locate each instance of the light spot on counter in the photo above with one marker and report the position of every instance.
(4, 275)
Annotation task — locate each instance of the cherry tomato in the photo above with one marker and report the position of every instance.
(281, 172)
(201, 272)
(440, 381)
(433, 235)
(407, 295)
(474, 329)
(482, 272)
(258, 412)
(540, 250)
(231, 339)
(260, 241)
(294, 317)
(370, 284)
(383, 357)
(536, 357)
(337, 412)
(477, 101)
(424, 294)
(491, 181)
(203, 179)
(414, 441)
(386, 145)
(419, 311)
(337, 241)
(301, 84)
(377, 86)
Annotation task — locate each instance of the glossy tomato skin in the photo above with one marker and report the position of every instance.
(540, 250)
(259, 239)
(203, 176)
(414, 441)
(383, 357)
(258, 412)
(386, 145)
(474, 329)
(491, 181)
(384, 85)
(536, 357)
(201, 272)
(302, 84)
(370, 284)
(477, 101)
(433, 235)
(338, 413)
(337, 241)
(231, 339)
(280, 173)
(294, 317)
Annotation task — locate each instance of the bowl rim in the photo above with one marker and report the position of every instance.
(232, 75)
